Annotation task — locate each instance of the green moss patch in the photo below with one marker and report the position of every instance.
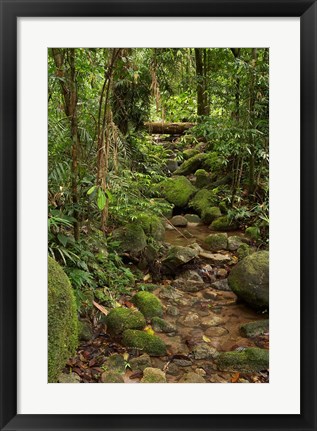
(149, 305)
(150, 344)
(223, 224)
(203, 200)
(248, 360)
(62, 320)
(217, 241)
(131, 238)
(152, 225)
(191, 165)
(177, 190)
(120, 319)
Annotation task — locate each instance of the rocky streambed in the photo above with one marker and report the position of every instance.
(188, 325)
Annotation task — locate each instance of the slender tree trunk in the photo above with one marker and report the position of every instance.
(200, 82)
(251, 122)
(68, 86)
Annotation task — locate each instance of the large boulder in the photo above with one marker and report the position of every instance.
(179, 221)
(178, 256)
(253, 329)
(203, 178)
(62, 320)
(191, 165)
(203, 200)
(216, 241)
(249, 280)
(152, 225)
(120, 319)
(148, 304)
(145, 342)
(131, 238)
(177, 190)
(223, 224)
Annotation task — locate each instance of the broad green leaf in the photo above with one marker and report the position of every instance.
(62, 239)
(91, 190)
(101, 199)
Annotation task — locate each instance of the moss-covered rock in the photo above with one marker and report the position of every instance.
(234, 242)
(62, 320)
(189, 153)
(243, 251)
(178, 256)
(191, 165)
(140, 363)
(131, 238)
(203, 178)
(177, 190)
(249, 280)
(248, 360)
(223, 224)
(85, 332)
(210, 214)
(115, 363)
(148, 287)
(212, 163)
(153, 375)
(111, 377)
(192, 218)
(148, 304)
(253, 329)
(120, 319)
(223, 207)
(152, 225)
(253, 233)
(150, 344)
(203, 200)
(161, 325)
(216, 241)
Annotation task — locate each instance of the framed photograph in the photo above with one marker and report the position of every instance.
(174, 144)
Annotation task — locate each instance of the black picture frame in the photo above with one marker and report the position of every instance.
(10, 11)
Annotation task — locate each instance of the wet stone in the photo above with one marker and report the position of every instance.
(140, 363)
(221, 285)
(183, 362)
(204, 351)
(221, 272)
(192, 378)
(171, 310)
(68, 378)
(216, 331)
(216, 258)
(170, 292)
(173, 369)
(191, 320)
(209, 294)
(211, 321)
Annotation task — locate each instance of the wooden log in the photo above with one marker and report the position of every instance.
(168, 128)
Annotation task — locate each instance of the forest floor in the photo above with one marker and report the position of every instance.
(201, 324)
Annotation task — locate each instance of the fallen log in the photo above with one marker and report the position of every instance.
(168, 128)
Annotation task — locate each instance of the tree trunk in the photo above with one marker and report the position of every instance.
(168, 128)
(201, 77)
(68, 86)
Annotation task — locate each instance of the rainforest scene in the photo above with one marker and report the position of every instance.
(158, 215)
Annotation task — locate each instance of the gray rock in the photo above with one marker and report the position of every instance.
(140, 363)
(204, 351)
(192, 378)
(68, 378)
(183, 362)
(173, 369)
(211, 320)
(153, 375)
(171, 310)
(234, 242)
(179, 221)
(171, 165)
(192, 218)
(216, 258)
(161, 325)
(170, 292)
(177, 256)
(221, 285)
(85, 330)
(253, 329)
(191, 319)
(115, 363)
(111, 377)
(216, 331)
(190, 281)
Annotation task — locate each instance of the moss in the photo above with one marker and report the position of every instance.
(253, 232)
(140, 363)
(212, 163)
(192, 218)
(203, 178)
(115, 363)
(217, 241)
(248, 360)
(148, 304)
(153, 375)
(249, 280)
(62, 320)
(223, 207)
(189, 153)
(149, 287)
(150, 344)
(177, 190)
(191, 165)
(203, 200)
(152, 225)
(120, 319)
(131, 237)
(253, 329)
(210, 214)
(243, 251)
(223, 224)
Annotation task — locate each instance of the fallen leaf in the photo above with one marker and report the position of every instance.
(148, 329)
(146, 277)
(235, 378)
(126, 356)
(101, 308)
(206, 339)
